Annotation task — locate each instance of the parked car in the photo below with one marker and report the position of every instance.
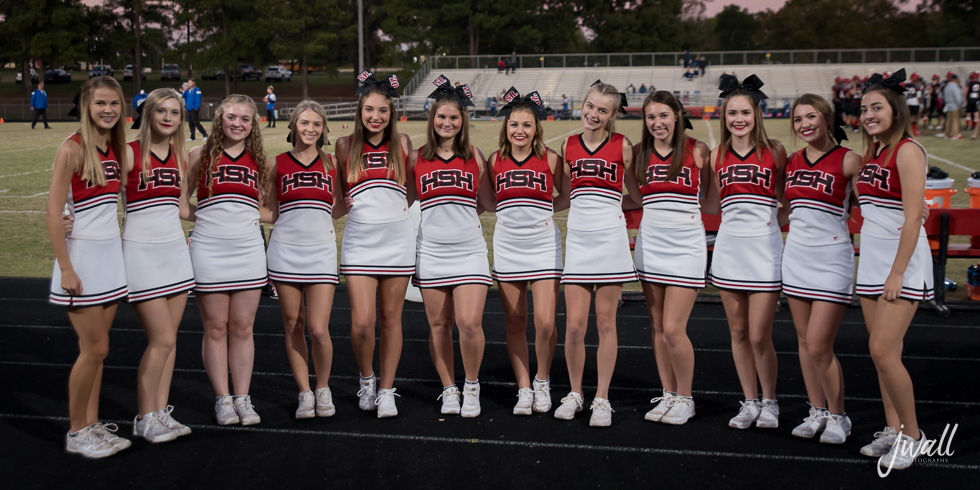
(170, 72)
(57, 75)
(101, 71)
(20, 76)
(246, 72)
(279, 72)
(128, 73)
(213, 74)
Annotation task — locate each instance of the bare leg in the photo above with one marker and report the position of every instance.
(85, 380)
(545, 296)
(439, 311)
(736, 305)
(291, 304)
(241, 345)
(319, 301)
(801, 311)
(678, 303)
(468, 303)
(513, 295)
(886, 343)
(578, 301)
(606, 304)
(362, 291)
(161, 336)
(392, 297)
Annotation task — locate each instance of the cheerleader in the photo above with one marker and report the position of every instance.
(378, 249)
(597, 255)
(451, 265)
(88, 276)
(158, 263)
(229, 174)
(670, 253)
(818, 260)
(748, 170)
(302, 252)
(895, 270)
(526, 242)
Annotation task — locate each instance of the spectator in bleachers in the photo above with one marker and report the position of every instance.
(506, 67)
(643, 88)
(687, 60)
(500, 66)
(630, 89)
(702, 64)
(564, 107)
(953, 106)
(513, 61)
(493, 107)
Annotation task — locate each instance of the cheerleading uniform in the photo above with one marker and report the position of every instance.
(526, 241)
(227, 250)
(880, 196)
(94, 245)
(670, 244)
(596, 245)
(158, 262)
(748, 246)
(379, 239)
(451, 247)
(972, 97)
(303, 245)
(818, 260)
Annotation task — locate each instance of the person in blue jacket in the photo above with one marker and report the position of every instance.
(39, 104)
(192, 101)
(270, 106)
(140, 97)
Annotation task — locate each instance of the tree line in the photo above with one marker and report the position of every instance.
(323, 33)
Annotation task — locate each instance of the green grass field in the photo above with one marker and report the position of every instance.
(26, 156)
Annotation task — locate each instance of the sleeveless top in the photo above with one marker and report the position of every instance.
(596, 182)
(525, 199)
(94, 207)
(152, 204)
(447, 190)
(880, 194)
(230, 209)
(305, 196)
(747, 186)
(673, 203)
(378, 198)
(819, 198)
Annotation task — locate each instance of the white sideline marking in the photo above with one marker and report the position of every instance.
(27, 149)
(576, 130)
(25, 173)
(7, 211)
(711, 135)
(950, 162)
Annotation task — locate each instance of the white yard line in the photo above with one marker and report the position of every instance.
(711, 135)
(950, 162)
(25, 173)
(576, 130)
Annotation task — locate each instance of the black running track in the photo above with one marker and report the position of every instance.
(420, 447)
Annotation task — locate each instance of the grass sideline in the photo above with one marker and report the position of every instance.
(26, 156)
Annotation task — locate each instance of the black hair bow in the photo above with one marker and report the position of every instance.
(137, 121)
(894, 82)
(752, 85)
(444, 89)
(839, 133)
(74, 112)
(687, 122)
(532, 100)
(368, 82)
(622, 97)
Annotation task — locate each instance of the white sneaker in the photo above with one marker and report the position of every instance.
(450, 400)
(681, 410)
(324, 403)
(177, 427)
(525, 398)
(661, 407)
(838, 428)
(306, 408)
(89, 443)
(224, 410)
(108, 432)
(245, 410)
(814, 422)
(769, 415)
(542, 395)
(903, 452)
(883, 442)
(747, 415)
(570, 405)
(152, 429)
(471, 400)
(601, 413)
(386, 403)
(368, 395)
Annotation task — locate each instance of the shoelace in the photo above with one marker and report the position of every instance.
(449, 395)
(386, 393)
(327, 396)
(746, 405)
(882, 434)
(572, 398)
(771, 408)
(366, 389)
(246, 403)
(814, 416)
(603, 405)
(521, 394)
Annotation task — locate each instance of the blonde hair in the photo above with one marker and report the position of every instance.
(215, 145)
(901, 124)
(647, 141)
(537, 143)
(758, 134)
(309, 105)
(145, 136)
(461, 142)
(822, 107)
(606, 89)
(355, 164)
(91, 169)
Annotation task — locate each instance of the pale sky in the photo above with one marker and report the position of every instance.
(715, 6)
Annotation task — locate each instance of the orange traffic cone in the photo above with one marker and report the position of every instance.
(129, 119)
(1, 120)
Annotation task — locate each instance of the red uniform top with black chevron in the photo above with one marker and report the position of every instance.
(819, 197)
(447, 192)
(378, 198)
(93, 207)
(305, 195)
(525, 206)
(880, 193)
(152, 204)
(230, 209)
(747, 186)
(672, 203)
(597, 183)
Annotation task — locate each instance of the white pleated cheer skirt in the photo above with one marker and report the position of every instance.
(598, 257)
(99, 265)
(747, 263)
(228, 264)
(526, 259)
(441, 265)
(156, 270)
(822, 273)
(305, 264)
(378, 249)
(877, 257)
(671, 256)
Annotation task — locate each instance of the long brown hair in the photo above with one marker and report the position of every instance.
(215, 146)
(355, 159)
(758, 135)
(678, 139)
(537, 143)
(461, 143)
(145, 136)
(91, 168)
(901, 123)
(309, 105)
(606, 89)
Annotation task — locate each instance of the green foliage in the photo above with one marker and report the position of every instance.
(736, 29)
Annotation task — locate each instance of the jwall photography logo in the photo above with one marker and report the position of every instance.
(926, 450)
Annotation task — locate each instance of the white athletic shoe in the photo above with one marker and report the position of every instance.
(89, 443)
(386, 403)
(525, 398)
(601, 413)
(681, 410)
(368, 395)
(542, 395)
(837, 430)
(903, 452)
(324, 403)
(471, 400)
(108, 432)
(151, 428)
(662, 404)
(813, 424)
(450, 400)
(570, 405)
(747, 415)
(245, 410)
(769, 415)
(224, 410)
(883, 442)
(306, 408)
(178, 428)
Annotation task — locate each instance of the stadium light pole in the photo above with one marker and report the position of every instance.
(360, 36)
